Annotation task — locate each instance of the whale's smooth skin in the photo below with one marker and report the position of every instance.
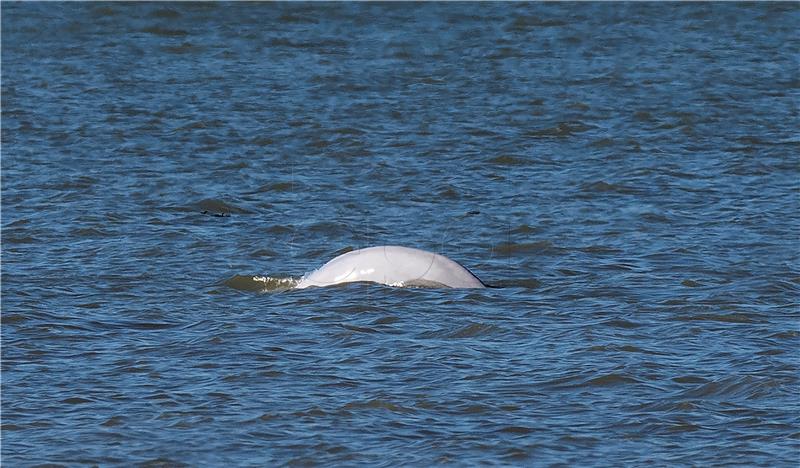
(394, 266)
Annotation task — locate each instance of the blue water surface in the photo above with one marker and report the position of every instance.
(627, 174)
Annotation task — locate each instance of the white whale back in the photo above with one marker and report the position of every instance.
(394, 266)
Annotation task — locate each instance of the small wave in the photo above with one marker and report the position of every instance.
(520, 430)
(506, 160)
(213, 205)
(281, 187)
(562, 130)
(608, 380)
(419, 284)
(621, 323)
(164, 32)
(525, 283)
(747, 387)
(602, 186)
(20, 239)
(376, 404)
(297, 18)
(726, 318)
(527, 23)
(580, 381)
(540, 247)
(471, 330)
(260, 283)
(164, 13)
(356, 329)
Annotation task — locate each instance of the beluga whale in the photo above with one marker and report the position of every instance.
(393, 266)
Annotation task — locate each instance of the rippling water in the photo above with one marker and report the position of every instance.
(627, 173)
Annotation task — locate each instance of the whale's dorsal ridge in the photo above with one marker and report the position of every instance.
(392, 265)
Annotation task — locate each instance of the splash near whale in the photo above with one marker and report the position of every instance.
(393, 266)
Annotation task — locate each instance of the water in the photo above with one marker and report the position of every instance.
(627, 173)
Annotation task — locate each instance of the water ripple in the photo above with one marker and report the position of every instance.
(624, 174)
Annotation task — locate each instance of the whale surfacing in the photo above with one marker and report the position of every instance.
(393, 266)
